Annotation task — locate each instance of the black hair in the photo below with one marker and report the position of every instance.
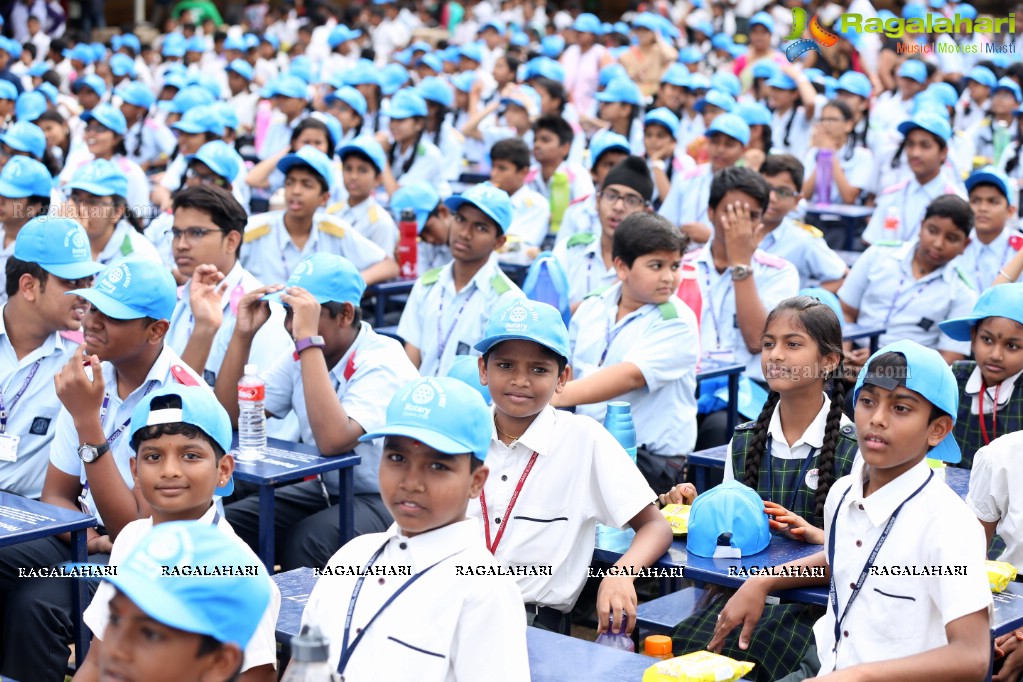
(309, 169)
(438, 110)
(173, 402)
(895, 365)
(821, 324)
(51, 77)
(15, 268)
(993, 186)
(314, 124)
(31, 47)
(334, 309)
(555, 90)
(644, 232)
(223, 209)
(739, 179)
(560, 359)
(776, 164)
(474, 462)
(359, 154)
(954, 208)
(897, 159)
(512, 149)
(847, 114)
(512, 61)
(55, 117)
(788, 123)
(558, 126)
(393, 152)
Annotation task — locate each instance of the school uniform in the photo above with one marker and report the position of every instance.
(451, 144)
(910, 199)
(581, 476)
(31, 406)
(805, 247)
(127, 242)
(1002, 409)
(432, 256)
(689, 129)
(993, 481)
(791, 132)
(427, 166)
(582, 258)
(148, 141)
(881, 286)
(278, 133)
(372, 220)
(270, 255)
(981, 262)
(531, 217)
(580, 217)
(443, 627)
(445, 324)
(5, 254)
(875, 626)
(856, 166)
(686, 201)
(261, 649)
(244, 104)
(567, 183)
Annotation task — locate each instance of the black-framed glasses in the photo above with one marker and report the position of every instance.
(89, 200)
(631, 200)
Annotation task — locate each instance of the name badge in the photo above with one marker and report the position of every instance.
(462, 348)
(9, 447)
(925, 324)
(722, 355)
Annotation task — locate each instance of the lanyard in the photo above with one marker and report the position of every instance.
(346, 650)
(765, 474)
(5, 409)
(832, 591)
(711, 306)
(898, 296)
(442, 341)
(994, 413)
(507, 512)
(611, 334)
(103, 413)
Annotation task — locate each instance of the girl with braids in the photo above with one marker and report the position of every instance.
(792, 99)
(439, 102)
(974, 101)
(348, 106)
(850, 163)
(621, 105)
(366, 79)
(791, 455)
(412, 156)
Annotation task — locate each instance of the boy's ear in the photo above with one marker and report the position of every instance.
(222, 663)
(501, 239)
(477, 480)
(133, 465)
(483, 370)
(621, 269)
(938, 429)
(225, 469)
(157, 330)
(564, 378)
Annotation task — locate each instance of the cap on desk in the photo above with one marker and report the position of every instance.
(728, 521)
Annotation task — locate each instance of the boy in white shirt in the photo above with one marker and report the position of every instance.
(509, 164)
(362, 162)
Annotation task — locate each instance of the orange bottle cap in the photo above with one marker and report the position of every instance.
(657, 645)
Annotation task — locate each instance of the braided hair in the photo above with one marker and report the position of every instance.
(788, 125)
(393, 153)
(758, 444)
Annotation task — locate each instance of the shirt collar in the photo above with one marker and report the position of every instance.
(814, 434)
(158, 373)
(481, 279)
(934, 185)
(996, 245)
(539, 434)
(113, 246)
(881, 504)
(1003, 390)
(430, 547)
(54, 342)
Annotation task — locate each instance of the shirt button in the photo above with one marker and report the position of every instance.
(498, 520)
(403, 546)
(381, 581)
(859, 543)
(358, 630)
(852, 586)
(504, 477)
(845, 634)
(860, 506)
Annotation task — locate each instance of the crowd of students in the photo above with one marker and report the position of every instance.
(175, 210)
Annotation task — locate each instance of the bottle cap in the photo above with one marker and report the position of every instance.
(657, 645)
(310, 646)
(618, 407)
(250, 368)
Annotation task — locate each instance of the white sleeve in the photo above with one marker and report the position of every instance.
(491, 634)
(989, 485)
(279, 381)
(961, 305)
(666, 352)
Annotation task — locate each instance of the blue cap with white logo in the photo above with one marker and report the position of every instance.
(444, 413)
(1004, 300)
(133, 289)
(721, 100)
(989, 175)
(202, 119)
(420, 197)
(136, 94)
(982, 75)
(25, 137)
(494, 202)
(219, 157)
(606, 141)
(327, 278)
(731, 125)
(349, 96)
(433, 89)
(311, 157)
(405, 104)
(367, 146)
(100, 177)
(662, 116)
(529, 321)
(108, 116)
(932, 122)
(621, 90)
(23, 177)
(913, 69)
(58, 245)
(728, 521)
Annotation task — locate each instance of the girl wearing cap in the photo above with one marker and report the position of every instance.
(348, 106)
(649, 58)
(148, 143)
(409, 156)
(312, 132)
(439, 131)
(620, 110)
(974, 100)
(793, 102)
(659, 128)
(1005, 98)
(850, 163)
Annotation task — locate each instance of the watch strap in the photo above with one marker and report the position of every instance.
(309, 342)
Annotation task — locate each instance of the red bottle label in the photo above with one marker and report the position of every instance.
(251, 393)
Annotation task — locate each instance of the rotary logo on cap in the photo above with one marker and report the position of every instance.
(516, 319)
(420, 397)
(174, 550)
(116, 275)
(76, 240)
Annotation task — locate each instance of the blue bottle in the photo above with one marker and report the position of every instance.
(618, 422)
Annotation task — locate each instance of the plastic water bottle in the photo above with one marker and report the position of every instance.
(1000, 140)
(620, 641)
(822, 192)
(618, 422)
(892, 226)
(689, 291)
(408, 246)
(251, 416)
(309, 653)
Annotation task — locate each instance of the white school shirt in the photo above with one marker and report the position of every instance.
(662, 341)
(150, 140)
(800, 132)
(32, 417)
(776, 279)
(427, 167)
(994, 395)
(899, 616)
(582, 258)
(882, 288)
(531, 216)
(981, 262)
(581, 477)
(686, 201)
(689, 129)
(445, 627)
(366, 377)
(271, 256)
(64, 450)
(857, 169)
(244, 104)
(430, 256)
(262, 648)
(444, 324)
(372, 220)
(910, 200)
(580, 216)
(806, 248)
(127, 242)
(993, 495)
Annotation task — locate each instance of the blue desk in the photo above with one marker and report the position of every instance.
(852, 332)
(384, 292)
(710, 369)
(849, 217)
(23, 520)
(286, 462)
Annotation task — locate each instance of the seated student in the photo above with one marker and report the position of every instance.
(509, 165)
(180, 435)
(686, 202)
(793, 101)
(582, 476)
(362, 162)
(347, 371)
(509, 116)
(883, 626)
(436, 625)
(909, 288)
(660, 126)
(444, 315)
(647, 352)
(411, 157)
(319, 131)
(51, 257)
(925, 142)
(433, 220)
(800, 244)
(124, 328)
(851, 163)
(178, 627)
(25, 188)
(586, 257)
(275, 242)
(992, 243)
(553, 176)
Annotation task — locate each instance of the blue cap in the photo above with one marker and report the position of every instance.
(944, 92)
(363, 73)
(472, 51)
(328, 278)
(697, 81)
(1004, 300)
(1006, 83)
(914, 10)
(928, 374)
(434, 89)
(662, 116)
(528, 320)
(466, 369)
(754, 113)
(727, 519)
(992, 176)
(229, 117)
(342, 34)
(309, 156)
(242, 68)
(236, 43)
(762, 19)
(544, 67)
(765, 68)
(494, 202)
(403, 57)
(421, 46)
(856, 83)
(291, 86)
(451, 55)
(611, 72)
(432, 61)
(8, 90)
(420, 196)
(552, 46)
(350, 96)
(202, 119)
(132, 42)
(100, 177)
(252, 40)
(91, 81)
(133, 289)
(368, 146)
(525, 97)
(334, 131)
(188, 97)
(621, 90)
(982, 75)
(228, 608)
(444, 413)
(25, 137)
(914, 69)
(690, 55)
(930, 121)
(219, 157)
(24, 177)
(966, 11)
(173, 79)
(495, 25)
(676, 75)
(48, 90)
(721, 41)
(731, 125)
(586, 23)
(737, 51)
(519, 39)
(828, 298)
(122, 65)
(137, 94)
(195, 44)
(38, 69)
(722, 100)
(394, 77)
(726, 82)
(302, 67)
(606, 141)
(405, 104)
(782, 81)
(174, 45)
(80, 53)
(58, 245)
(648, 21)
(463, 81)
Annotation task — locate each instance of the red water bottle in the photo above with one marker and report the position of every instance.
(689, 291)
(408, 249)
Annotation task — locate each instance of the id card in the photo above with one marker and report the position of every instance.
(9, 447)
(722, 355)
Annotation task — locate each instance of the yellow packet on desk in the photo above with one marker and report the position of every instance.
(699, 666)
(678, 517)
(999, 575)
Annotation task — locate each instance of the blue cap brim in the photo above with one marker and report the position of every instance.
(13, 191)
(454, 202)
(947, 450)
(275, 297)
(107, 305)
(979, 178)
(437, 441)
(74, 270)
(91, 188)
(959, 328)
(191, 129)
(226, 489)
(158, 603)
(491, 341)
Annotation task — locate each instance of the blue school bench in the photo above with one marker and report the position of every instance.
(851, 219)
(854, 332)
(384, 292)
(710, 369)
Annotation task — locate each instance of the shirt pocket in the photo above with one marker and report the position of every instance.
(537, 532)
(896, 601)
(422, 653)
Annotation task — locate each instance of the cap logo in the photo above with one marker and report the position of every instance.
(426, 393)
(113, 277)
(423, 394)
(173, 550)
(75, 239)
(13, 170)
(517, 314)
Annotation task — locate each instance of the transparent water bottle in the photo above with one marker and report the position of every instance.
(618, 422)
(620, 641)
(892, 226)
(310, 651)
(251, 416)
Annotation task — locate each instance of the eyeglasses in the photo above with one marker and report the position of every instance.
(89, 200)
(206, 179)
(191, 234)
(784, 192)
(631, 200)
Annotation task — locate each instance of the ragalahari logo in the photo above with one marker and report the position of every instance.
(819, 36)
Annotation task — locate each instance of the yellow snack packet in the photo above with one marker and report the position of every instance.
(699, 666)
(678, 517)
(999, 575)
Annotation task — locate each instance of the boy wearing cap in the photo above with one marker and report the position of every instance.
(880, 516)
(433, 220)
(509, 165)
(607, 149)
(582, 476)
(553, 175)
(362, 163)
(180, 436)
(344, 369)
(449, 306)
(992, 243)
(290, 96)
(242, 99)
(275, 242)
(443, 623)
(25, 187)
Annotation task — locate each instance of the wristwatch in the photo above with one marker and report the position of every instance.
(741, 272)
(309, 342)
(90, 453)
